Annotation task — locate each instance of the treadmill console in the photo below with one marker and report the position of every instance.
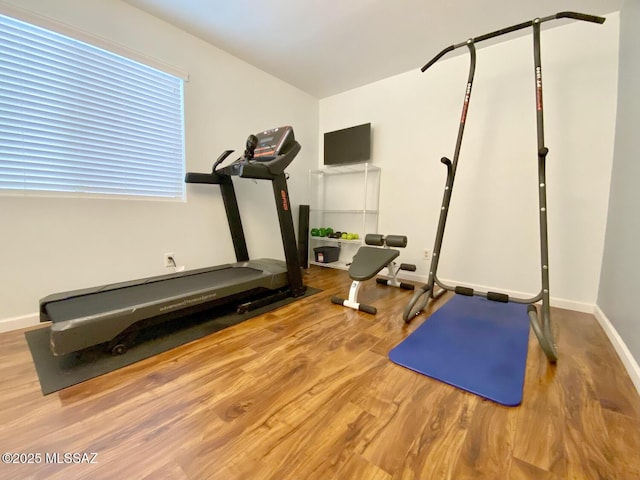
(268, 154)
(272, 142)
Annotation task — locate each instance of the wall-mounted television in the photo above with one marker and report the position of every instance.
(349, 145)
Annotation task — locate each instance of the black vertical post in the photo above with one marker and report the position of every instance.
(283, 206)
(542, 158)
(427, 291)
(541, 324)
(233, 217)
(451, 170)
(303, 235)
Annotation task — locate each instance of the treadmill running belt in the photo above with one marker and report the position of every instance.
(100, 302)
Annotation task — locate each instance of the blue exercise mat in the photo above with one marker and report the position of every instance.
(474, 344)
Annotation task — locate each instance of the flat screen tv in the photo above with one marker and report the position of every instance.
(349, 145)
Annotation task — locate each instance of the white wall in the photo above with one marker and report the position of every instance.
(492, 232)
(621, 264)
(56, 244)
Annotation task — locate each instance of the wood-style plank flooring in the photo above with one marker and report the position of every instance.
(307, 392)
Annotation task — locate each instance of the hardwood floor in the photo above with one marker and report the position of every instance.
(307, 392)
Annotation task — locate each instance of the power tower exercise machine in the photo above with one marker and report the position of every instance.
(113, 314)
(539, 317)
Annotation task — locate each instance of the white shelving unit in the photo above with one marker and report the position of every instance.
(344, 198)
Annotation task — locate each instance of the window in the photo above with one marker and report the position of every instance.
(78, 119)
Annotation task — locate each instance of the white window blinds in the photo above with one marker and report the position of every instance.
(76, 118)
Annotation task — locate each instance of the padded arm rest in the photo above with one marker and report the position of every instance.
(369, 261)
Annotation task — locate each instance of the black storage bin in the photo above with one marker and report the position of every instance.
(327, 254)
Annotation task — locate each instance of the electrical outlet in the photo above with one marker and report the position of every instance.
(426, 254)
(169, 260)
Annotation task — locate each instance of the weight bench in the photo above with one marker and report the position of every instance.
(368, 262)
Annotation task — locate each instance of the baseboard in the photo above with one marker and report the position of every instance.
(630, 363)
(16, 323)
(572, 305)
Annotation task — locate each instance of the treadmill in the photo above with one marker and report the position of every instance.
(113, 314)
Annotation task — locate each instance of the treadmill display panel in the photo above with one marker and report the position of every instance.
(272, 142)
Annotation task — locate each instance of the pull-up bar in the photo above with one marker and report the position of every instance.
(503, 31)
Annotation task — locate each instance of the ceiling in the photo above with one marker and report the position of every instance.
(324, 47)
